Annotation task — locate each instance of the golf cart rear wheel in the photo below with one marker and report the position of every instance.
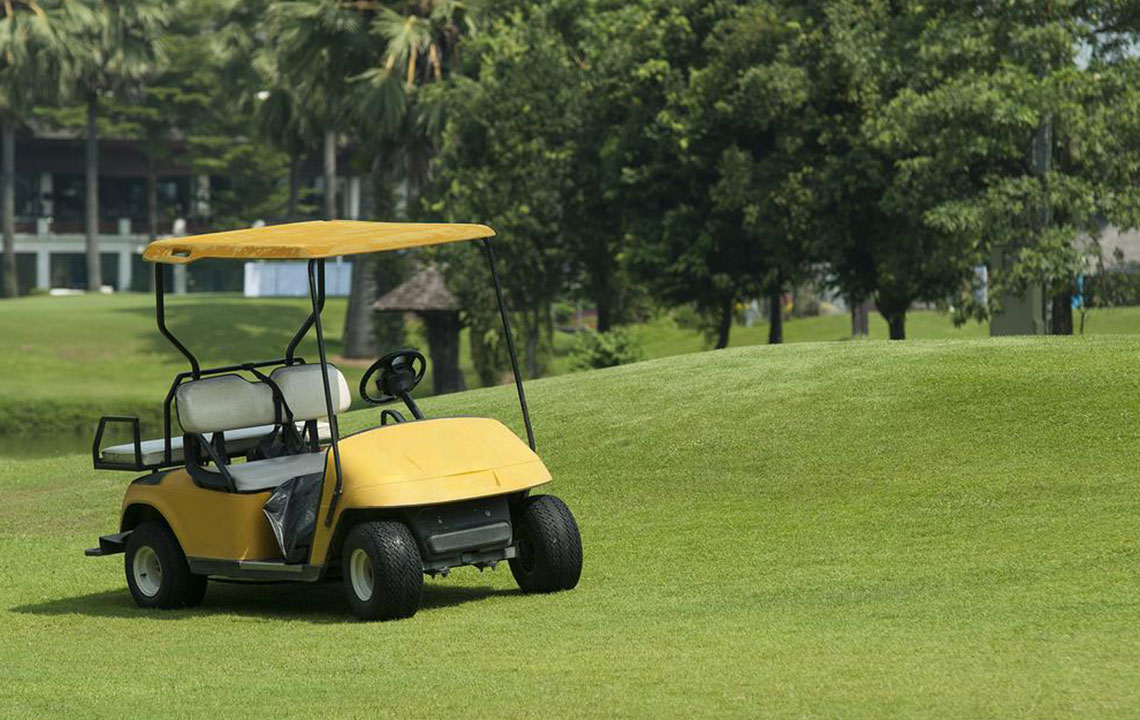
(157, 573)
(383, 572)
(548, 546)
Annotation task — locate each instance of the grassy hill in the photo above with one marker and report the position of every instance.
(868, 530)
(64, 361)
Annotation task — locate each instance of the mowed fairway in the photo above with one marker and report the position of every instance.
(845, 530)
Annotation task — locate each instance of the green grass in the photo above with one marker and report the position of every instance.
(846, 530)
(67, 360)
(64, 361)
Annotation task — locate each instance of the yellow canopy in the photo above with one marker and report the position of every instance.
(309, 240)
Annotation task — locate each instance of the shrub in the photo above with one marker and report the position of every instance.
(563, 314)
(600, 350)
(687, 318)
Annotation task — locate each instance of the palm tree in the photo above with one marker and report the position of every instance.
(419, 40)
(421, 44)
(280, 121)
(317, 49)
(118, 44)
(31, 53)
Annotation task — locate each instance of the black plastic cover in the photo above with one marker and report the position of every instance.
(292, 513)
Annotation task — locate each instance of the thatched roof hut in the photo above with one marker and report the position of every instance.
(425, 291)
(426, 294)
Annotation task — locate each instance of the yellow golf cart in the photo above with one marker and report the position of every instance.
(260, 484)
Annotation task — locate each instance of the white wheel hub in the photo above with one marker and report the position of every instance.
(147, 570)
(360, 573)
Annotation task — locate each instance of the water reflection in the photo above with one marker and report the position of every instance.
(42, 446)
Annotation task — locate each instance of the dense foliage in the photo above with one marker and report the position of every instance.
(701, 153)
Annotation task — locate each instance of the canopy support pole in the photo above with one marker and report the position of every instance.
(510, 341)
(300, 334)
(160, 313)
(317, 268)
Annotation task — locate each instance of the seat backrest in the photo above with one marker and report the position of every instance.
(305, 393)
(228, 402)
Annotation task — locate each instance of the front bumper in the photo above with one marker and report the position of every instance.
(110, 544)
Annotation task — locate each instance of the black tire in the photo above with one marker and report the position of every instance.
(548, 546)
(167, 585)
(390, 584)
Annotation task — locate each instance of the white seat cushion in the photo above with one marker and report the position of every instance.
(238, 442)
(228, 402)
(305, 393)
(268, 474)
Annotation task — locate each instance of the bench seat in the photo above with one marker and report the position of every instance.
(238, 442)
(268, 474)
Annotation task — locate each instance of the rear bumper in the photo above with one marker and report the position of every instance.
(109, 544)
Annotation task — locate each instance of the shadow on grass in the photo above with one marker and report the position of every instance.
(215, 329)
(307, 602)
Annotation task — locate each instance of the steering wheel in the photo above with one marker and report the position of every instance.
(398, 375)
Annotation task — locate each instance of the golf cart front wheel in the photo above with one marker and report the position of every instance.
(382, 569)
(157, 573)
(548, 547)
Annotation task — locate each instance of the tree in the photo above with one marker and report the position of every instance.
(280, 120)
(172, 102)
(505, 157)
(116, 45)
(318, 49)
(32, 54)
(623, 72)
(728, 179)
(398, 124)
(853, 59)
(1016, 133)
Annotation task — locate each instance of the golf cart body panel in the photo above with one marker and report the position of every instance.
(438, 460)
(411, 464)
(208, 523)
(427, 462)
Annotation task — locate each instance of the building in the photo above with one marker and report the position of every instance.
(50, 211)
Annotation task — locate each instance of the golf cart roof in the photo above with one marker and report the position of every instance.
(310, 240)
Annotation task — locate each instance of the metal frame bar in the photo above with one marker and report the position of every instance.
(317, 297)
(160, 312)
(317, 268)
(304, 329)
(196, 371)
(136, 440)
(510, 341)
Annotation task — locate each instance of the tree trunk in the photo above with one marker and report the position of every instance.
(8, 173)
(897, 325)
(1061, 318)
(358, 338)
(359, 341)
(294, 180)
(531, 350)
(605, 313)
(775, 318)
(94, 268)
(725, 326)
(330, 174)
(860, 319)
(896, 320)
(604, 290)
(388, 331)
(443, 341)
(151, 199)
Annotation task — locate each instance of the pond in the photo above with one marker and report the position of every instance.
(43, 446)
